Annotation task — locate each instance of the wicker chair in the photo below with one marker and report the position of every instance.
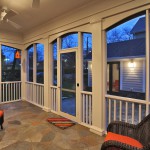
(137, 133)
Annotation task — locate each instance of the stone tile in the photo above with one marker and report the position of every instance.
(26, 128)
(6, 143)
(48, 137)
(19, 145)
(2, 133)
(15, 122)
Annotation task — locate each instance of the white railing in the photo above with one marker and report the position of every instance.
(86, 109)
(54, 103)
(35, 93)
(125, 109)
(10, 91)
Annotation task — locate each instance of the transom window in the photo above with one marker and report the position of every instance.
(69, 41)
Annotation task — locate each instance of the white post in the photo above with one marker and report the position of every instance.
(97, 80)
(147, 61)
(23, 74)
(46, 76)
(79, 77)
(51, 74)
(58, 73)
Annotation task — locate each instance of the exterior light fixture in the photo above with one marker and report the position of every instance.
(132, 64)
(17, 55)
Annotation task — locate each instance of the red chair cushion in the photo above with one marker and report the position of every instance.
(1, 113)
(123, 139)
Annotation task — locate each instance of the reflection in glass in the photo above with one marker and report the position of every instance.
(40, 63)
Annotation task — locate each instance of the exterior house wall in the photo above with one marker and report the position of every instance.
(132, 78)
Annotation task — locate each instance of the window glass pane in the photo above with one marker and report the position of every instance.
(69, 41)
(30, 63)
(87, 61)
(54, 47)
(126, 59)
(11, 66)
(68, 69)
(68, 103)
(39, 63)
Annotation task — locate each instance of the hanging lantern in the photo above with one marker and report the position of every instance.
(17, 55)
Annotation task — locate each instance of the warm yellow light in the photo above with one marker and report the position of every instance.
(131, 64)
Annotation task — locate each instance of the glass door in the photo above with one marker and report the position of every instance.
(68, 83)
(113, 77)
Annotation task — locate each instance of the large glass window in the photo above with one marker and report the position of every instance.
(11, 66)
(54, 48)
(87, 61)
(30, 51)
(69, 40)
(39, 63)
(126, 58)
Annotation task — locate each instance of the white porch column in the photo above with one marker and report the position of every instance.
(97, 81)
(23, 73)
(46, 76)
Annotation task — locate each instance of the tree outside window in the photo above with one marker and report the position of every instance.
(11, 66)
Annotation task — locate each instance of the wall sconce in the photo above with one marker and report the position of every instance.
(132, 64)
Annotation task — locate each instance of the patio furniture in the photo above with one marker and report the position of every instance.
(1, 118)
(125, 136)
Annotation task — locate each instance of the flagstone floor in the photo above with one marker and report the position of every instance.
(26, 128)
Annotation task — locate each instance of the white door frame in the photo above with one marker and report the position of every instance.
(65, 51)
(79, 77)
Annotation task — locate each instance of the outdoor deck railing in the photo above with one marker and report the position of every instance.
(86, 110)
(35, 93)
(125, 109)
(10, 91)
(54, 103)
